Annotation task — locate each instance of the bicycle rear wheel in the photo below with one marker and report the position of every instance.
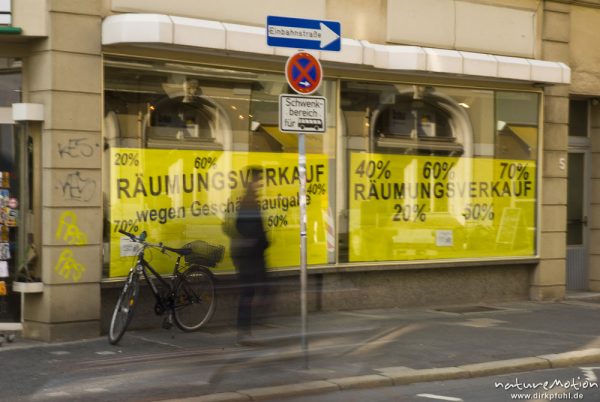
(195, 298)
(124, 309)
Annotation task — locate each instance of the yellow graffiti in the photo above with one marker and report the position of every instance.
(68, 267)
(69, 231)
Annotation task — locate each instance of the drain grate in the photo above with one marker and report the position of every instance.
(466, 309)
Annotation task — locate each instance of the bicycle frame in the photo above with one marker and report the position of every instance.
(145, 267)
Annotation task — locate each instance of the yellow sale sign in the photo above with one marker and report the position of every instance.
(405, 207)
(178, 196)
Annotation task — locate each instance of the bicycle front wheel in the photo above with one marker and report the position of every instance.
(195, 298)
(123, 312)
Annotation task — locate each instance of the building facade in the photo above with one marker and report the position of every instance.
(456, 164)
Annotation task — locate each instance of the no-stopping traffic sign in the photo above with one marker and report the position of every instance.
(303, 73)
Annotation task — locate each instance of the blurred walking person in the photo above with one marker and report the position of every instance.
(248, 248)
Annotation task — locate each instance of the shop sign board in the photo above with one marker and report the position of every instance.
(191, 194)
(301, 33)
(437, 207)
(5, 12)
(302, 114)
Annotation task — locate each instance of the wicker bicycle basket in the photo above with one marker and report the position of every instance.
(203, 253)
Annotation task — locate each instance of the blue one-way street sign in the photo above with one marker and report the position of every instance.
(302, 33)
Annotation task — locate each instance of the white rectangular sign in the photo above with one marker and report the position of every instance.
(299, 113)
(5, 6)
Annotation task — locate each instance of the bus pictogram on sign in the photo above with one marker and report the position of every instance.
(303, 73)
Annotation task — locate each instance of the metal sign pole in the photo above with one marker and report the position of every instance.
(303, 275)
(304, 74)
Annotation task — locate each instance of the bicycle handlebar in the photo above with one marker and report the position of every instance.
(162, 247)
(131, 236)
(139, 239)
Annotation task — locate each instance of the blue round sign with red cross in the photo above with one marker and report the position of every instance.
(303, 72)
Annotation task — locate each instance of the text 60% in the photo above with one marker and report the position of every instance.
(205, 162)
(438, 170)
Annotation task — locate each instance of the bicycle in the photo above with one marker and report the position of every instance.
(189, 297)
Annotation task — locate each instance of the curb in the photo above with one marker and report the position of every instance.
(403, 376)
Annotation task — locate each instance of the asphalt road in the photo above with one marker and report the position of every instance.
(570, 384)
(156, 364)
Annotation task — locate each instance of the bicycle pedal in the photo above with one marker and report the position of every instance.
(167, 323)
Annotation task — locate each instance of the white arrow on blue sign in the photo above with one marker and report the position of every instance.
(303, 33)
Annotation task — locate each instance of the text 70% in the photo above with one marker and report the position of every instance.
(128, 225)
(514, 171)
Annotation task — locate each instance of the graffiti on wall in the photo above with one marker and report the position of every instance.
(68, 231)
(77, 188)
(77, 148)
(68, 267)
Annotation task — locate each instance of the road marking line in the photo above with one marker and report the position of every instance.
(589, 374)
(440, 397)
(160, 342)
(60, 353)
(96, 390)
(57, 394)
(384, 338)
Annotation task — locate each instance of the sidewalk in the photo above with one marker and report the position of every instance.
(352, 349)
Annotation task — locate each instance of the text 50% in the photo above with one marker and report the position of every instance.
(438, 170)
(479, 212)
(374, 170)
(277, 221)
(409, 213)
(205, 162)
(514, 171)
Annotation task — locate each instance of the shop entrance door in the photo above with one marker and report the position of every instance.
(577, 213)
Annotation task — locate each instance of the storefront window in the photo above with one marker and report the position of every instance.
(10, 81)
(437, 173)
(11, 174)
(178, 139)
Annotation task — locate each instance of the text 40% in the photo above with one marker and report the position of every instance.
(277, 221)
(479, 212)
(514, 171)
(374, 170)
(126, 159)
(205, 162)
(438, 170)
(316, 189)
(409, 213)
(128, 225)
